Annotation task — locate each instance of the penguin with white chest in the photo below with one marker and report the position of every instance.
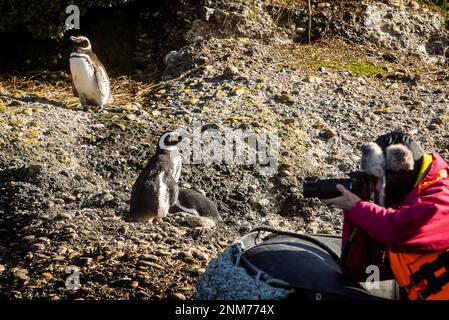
(90, 82)
(156, 189)
(193, 202)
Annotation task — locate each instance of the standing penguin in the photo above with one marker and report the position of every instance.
(195, 203)
(90, 82)
(156, 189)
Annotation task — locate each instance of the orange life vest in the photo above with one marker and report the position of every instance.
(422, 276)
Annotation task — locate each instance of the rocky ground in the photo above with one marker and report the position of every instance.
(66, 174)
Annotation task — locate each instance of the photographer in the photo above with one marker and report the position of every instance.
(406, 229)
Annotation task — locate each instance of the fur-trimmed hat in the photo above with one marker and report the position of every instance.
(395, 151)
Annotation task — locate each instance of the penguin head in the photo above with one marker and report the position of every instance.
(81, 42)
(169, 141)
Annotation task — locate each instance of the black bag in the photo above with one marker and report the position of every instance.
(307, 263)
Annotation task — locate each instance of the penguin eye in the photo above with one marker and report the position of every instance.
(84, 44)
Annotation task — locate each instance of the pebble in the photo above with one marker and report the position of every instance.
(392, 109)
(41, 255)
(315, 80)
(285, 97)
(57, 257)
(341, 90)
(195, 270)
(390, 57)
(177, 231)
(149, 257)
(414, 5)
(252, 200)
(2, 268)
(434, 127)
(205, 13)
(29, 237)
(177, 296)
(185, 288)
(328, 133)
(107, 197)
(134, 284)
(121, 281)
(322, 5)
(63, 216)
(38, 246)
(69, 198)
(21, 274)
(150, 264)
(285, 173)
(200, 255)
(264, 202)
(45, 240)
(97, 126)
(188, 260)
(184, 254)
(69, 236)
(393, 86)
(85, 261)
(230, 71)
(239, 91)
(131, 117)
(47, 275)
(252, 187)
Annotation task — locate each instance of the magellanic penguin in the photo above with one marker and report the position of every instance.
(90, 82)
(193, 202)
(156, 189)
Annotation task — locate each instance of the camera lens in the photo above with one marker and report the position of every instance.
(325, 189)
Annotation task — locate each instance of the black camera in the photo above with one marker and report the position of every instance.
(358, 183)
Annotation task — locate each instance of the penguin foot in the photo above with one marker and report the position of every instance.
(157, 221)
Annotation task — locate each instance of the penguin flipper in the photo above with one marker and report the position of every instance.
(102, 81)
(75, 93)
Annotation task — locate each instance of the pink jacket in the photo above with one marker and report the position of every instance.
(420, 224)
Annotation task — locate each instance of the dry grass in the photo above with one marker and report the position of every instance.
(56, 86)
(333, 54)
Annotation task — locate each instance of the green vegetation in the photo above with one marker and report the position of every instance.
(44, 19)
(357, 68)
(364, 69)
(436, 4)
(332, 55)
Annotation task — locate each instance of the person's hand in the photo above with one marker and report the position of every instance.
(346, 201)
